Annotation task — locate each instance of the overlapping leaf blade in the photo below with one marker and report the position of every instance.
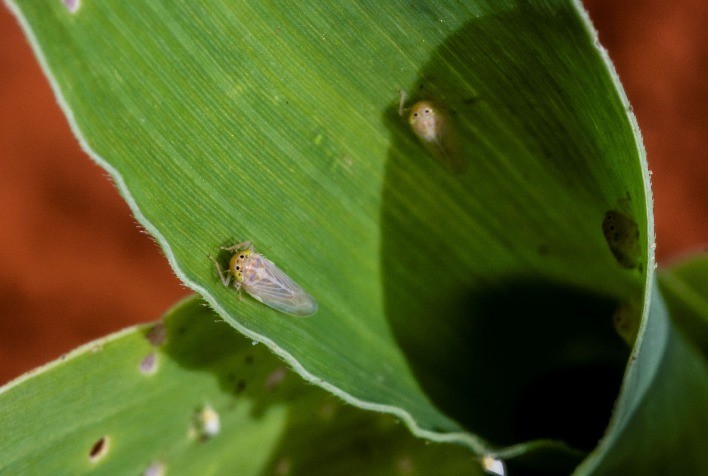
(280, 125)
(143, 391)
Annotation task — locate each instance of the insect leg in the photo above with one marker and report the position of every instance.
(401, 101)
(225, 277)
(244, 245)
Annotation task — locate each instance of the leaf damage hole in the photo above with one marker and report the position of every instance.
(72, 5)
(99, 449)
(156, 468)
(148, 365)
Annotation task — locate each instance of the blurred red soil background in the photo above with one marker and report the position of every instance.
(75, 265)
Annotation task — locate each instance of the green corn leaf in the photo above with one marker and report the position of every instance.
(466, 283)
(189, 395)
(660, 424)
(685, 287)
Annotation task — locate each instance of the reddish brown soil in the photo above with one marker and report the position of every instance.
(76, 266)
(660, 50)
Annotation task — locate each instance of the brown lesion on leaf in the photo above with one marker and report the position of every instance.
(626, 320)
(157, 335)
(99, 449)
(622, 236)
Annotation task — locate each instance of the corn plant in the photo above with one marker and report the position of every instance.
(460, 186)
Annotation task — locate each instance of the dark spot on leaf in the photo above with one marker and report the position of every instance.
(157, 335)
(626, 319)
(622, 237)
(99, 449)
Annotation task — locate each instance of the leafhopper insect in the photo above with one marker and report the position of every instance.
(264, 281)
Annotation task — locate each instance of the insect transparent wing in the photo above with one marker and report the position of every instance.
(277, 290)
